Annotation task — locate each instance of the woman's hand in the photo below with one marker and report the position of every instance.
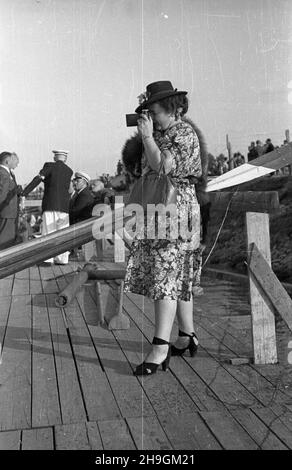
(145, 126)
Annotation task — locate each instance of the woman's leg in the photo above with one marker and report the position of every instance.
(185, 322)
(165, 311)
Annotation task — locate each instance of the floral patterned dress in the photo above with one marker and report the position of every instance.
(166, 268)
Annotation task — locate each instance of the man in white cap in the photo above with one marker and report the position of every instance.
(56, 177)
(82, 201)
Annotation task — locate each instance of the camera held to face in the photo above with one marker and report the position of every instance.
(132, 119)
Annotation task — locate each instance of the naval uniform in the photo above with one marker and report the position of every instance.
(56, 177)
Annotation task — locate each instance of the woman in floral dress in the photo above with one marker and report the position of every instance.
(164, 269)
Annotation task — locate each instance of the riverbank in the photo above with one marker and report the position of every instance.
(230, 250)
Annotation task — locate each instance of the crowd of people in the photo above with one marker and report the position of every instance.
(66, 199)
(220, 164)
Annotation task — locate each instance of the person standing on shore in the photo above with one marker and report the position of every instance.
(9, 193)
(56, 177)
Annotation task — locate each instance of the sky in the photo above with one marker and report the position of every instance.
(71, 69)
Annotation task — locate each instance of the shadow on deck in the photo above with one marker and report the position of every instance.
(66, 383)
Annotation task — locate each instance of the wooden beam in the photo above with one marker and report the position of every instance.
(90, 271)
(248, 201)
(263, 320)
(270, 285)
(27, 254)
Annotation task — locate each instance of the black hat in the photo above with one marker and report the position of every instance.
(156, 91)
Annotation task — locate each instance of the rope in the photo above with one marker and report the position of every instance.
(220, 228)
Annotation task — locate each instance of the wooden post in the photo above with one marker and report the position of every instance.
(119, 245)
(263, 320)
(100, 246)
(99, 305)
(271, 286)
(230, 157)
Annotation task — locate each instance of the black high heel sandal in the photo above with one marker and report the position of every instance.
(149, 368)
(192, 346)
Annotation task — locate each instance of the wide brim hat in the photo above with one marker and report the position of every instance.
(157, 91)
(83, 175)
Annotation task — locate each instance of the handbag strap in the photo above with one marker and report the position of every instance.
(161, 167)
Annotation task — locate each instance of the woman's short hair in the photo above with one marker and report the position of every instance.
(3, 156)
(173, 103)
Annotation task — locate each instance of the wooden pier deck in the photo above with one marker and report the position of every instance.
(66, 383)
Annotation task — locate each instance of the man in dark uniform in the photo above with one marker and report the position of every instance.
(9, 192)
(56, 177)
(82, 201)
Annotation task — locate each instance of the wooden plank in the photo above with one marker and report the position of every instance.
(15, 370)
(246, 201)
(202, 395)
(21, 283)
(222, 330)
(148, 433)
(20, 287)
(98, 396)
(45, 399)
(259, 432)
(48, 280)
(6, 286)
(279, 423)
(283, 412)
(238, 328)
(188, 432)
(35, 284)
(100, 248)
(10, 440)
(211, 372)
(38, 439)
(93, 436)
(71, 401)
(213, 339)
(263, 320)
(272, 388)
(164, 391)
(131, 398)
(34, 251)
(23, 274)
(78, 436)
(115, 435)
(270, 284)
(228, 432)
(5, 303)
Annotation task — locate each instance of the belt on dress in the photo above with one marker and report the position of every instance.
(187, 179)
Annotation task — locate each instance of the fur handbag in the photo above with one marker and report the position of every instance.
(153, 188)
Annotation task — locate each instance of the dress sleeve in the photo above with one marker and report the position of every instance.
(185, 149)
